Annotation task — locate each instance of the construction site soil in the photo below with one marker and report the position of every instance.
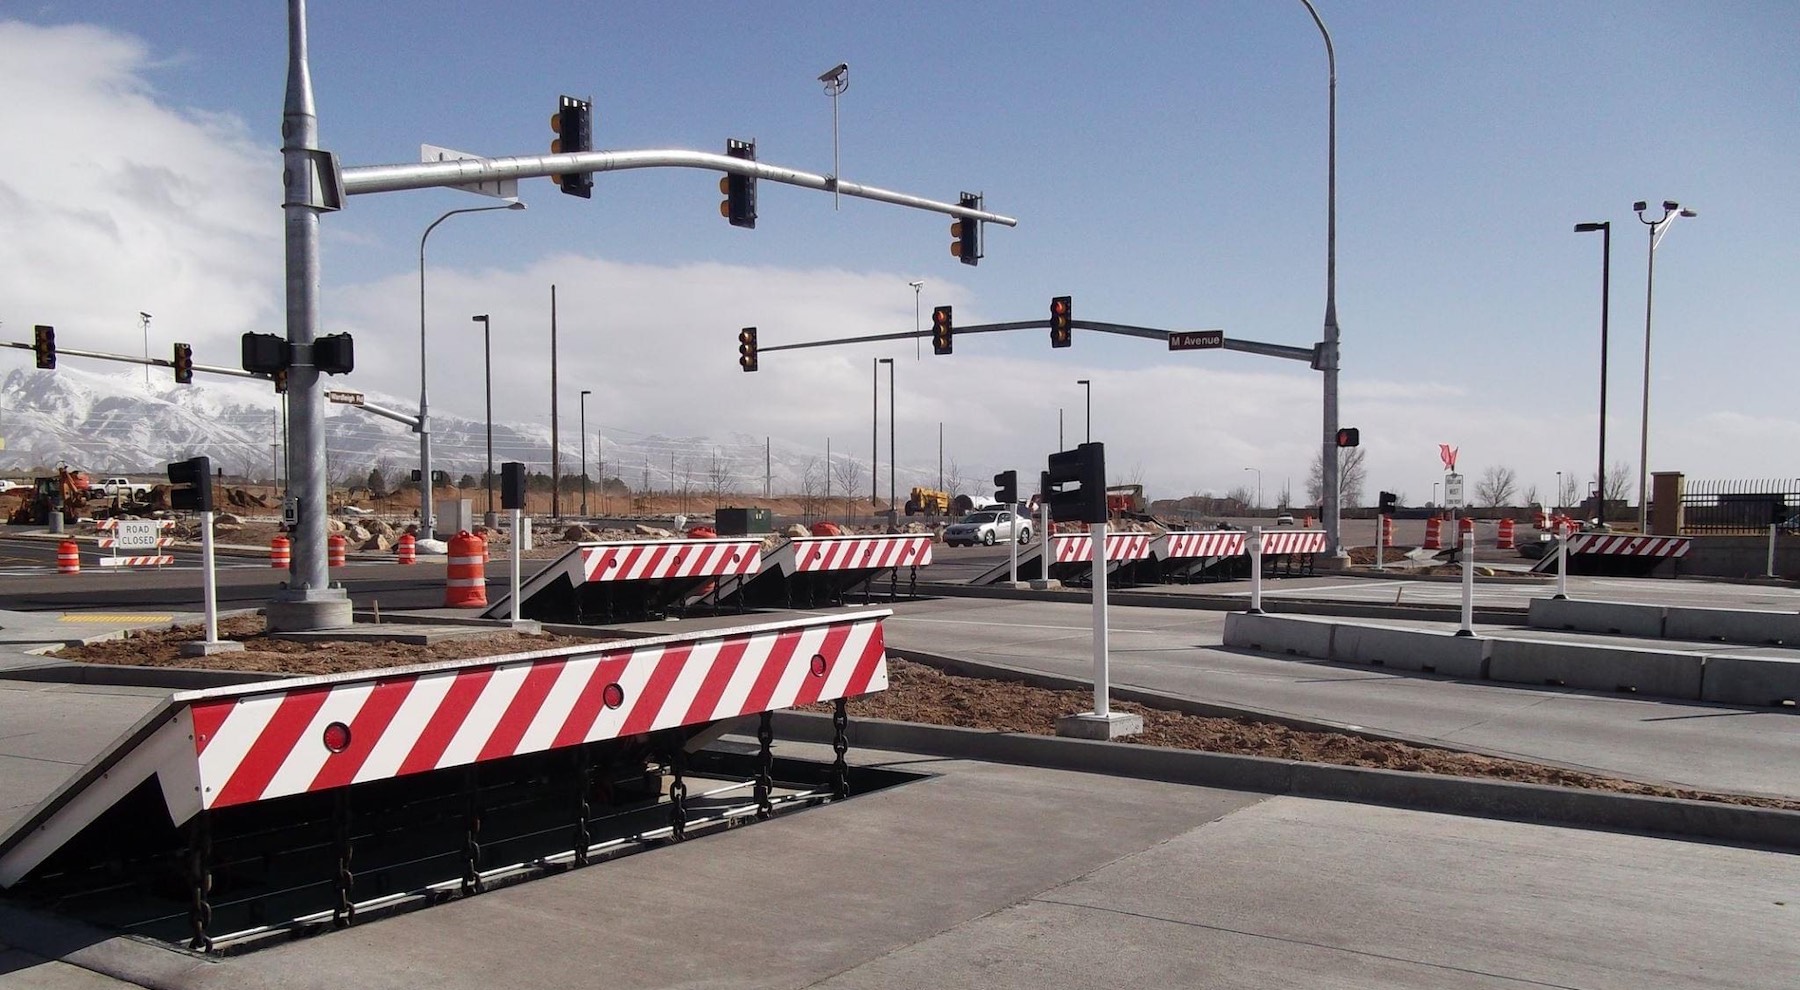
(916, 693)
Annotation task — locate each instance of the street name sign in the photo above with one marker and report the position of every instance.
(1196, 340)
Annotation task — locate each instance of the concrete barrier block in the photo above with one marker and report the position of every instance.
(1733, 680)
(1623, 618)
(1425, 650)
(1279, 634)
(1596, 667)
(1731, 625)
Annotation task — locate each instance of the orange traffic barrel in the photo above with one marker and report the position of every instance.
(1387, 531)
(465, 580)
(280, 552)
(68, 558)
(1505, 540)
(1465, 528)
(407, 550)
(334, 550)
(1434, 534)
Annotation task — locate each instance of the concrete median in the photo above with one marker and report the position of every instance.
(1424, 650)
(1279, 634)
(1621, 618)
(1733, 680)
(1663, 673)
(1731, 625)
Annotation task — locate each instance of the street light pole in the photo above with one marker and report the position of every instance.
(487, 363)
(918, 352)
(1089, 425)
(584, 394)
(1258, 487)
(874, 434)
(1328, 356)
(427, 513)
(1605, 228)
(893, 519)
(1658, 228)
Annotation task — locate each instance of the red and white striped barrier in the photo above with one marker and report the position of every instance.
(1627, 545)
(1210, 543)
(1076, 548)
(235, 745)
(1293, 541)
(151, 560)
(852, 553)
(650, 561)
(112, 526)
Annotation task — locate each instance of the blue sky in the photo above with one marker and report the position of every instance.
(1166, 162)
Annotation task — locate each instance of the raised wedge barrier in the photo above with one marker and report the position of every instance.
(1072, 556)
(1201, 554)
(1620, 555)
(815, 570)
(234, 812)
(629, 580)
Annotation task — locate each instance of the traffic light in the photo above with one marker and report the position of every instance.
(512, 485)
(1349, 436)
(747, 348)
(573, 123)
(191, 484)
(966, 234)
(941, 330)
(45, 345)
(334, 354)
(264, 353)
(184, 364)
(739, 206)
(280, 378)
(1006, 485)
(1386, 505)
(1077, 484)
(1062, 310)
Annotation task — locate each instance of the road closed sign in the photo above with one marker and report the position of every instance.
(138, 534)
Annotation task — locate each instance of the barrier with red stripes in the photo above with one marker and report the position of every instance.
(161, 526)
(141, 560)
(649, 561)
(1209, 543)
(1629, 545)
(1293, 541)
(234, 746)
(840, 553)
(630, 578)
(807, 570)
(1076, 548)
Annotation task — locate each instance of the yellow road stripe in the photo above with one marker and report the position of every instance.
(113, 617)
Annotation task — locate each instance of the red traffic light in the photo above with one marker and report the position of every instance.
(1349, 436)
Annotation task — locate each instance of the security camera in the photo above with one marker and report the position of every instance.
(835, 74)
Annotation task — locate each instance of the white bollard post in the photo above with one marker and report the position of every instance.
(1562, 564)
(1013, 555)
(208, 581)
(1468, 603)
(1255, 549)
(513, 579)
(1044, 538)
(1770, 571)
(1101, 692)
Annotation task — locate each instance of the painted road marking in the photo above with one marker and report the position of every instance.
(112, 617)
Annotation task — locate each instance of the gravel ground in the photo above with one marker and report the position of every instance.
(917, 693)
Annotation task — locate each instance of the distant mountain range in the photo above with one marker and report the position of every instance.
(108, 423)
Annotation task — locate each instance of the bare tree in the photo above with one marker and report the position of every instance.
(718, 478)
(1618, 481)
(1531, 494)
(813, 504)
(1284, 499)
(953, 478)
(1242, 495)
(1351, 476)
(849, 472)
(1497, 486)
(1571, 489)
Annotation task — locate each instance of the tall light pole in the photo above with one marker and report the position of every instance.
(144, 324)
(1328, 354)
(1658, 228)
(874, 433)
(1559, 491)
(1089, 425)
(892, 518)
(584, 394)
(1258, 487)
(427, 513)
(918, 351)
(1605, 229)
(487, 364)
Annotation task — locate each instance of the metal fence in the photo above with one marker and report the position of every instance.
(1740, 507)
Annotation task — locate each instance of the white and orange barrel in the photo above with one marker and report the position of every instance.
(1466, 528)
(1505, 540)
(1434, 534)
(335, 550)
(280, 552)
(68, 558)
(465, 579)
(407, 550)
(1387, 531)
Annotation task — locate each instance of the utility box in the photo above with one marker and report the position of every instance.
(462, 517)
(742, 522)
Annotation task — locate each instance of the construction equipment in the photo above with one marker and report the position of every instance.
(1127, 502)
(928, 502)
(66, 492)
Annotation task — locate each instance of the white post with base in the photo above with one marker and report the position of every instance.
(1254, 544)
(210, 589)
(513, 578)
(1468, 583)
(1101, 723)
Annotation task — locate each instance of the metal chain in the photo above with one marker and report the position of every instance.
(200, 880)
(584, 776)
(677, 794)
(471, 881)
(840, 771)
(343, 914)
(765, 764)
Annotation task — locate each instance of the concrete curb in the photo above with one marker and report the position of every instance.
(1678, 818)
(1220, 603)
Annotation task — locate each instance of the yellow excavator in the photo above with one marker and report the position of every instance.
(66, 491)
(928, 502)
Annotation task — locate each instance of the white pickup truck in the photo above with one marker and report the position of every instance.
(124, 488)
